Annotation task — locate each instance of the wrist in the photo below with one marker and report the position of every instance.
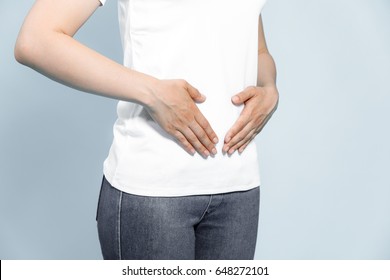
(267, 84)
(145, 90)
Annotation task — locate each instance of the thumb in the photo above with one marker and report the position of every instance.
(195, 94)
(242, 97)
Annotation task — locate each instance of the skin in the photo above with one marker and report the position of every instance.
(46, 44)
(260, 101)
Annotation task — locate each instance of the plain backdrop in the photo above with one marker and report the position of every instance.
(324, 156)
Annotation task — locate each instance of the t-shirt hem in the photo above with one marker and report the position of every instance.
(173, 191)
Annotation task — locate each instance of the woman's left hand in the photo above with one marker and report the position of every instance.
(259, 105)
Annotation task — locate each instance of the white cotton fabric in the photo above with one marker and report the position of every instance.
(212, 44)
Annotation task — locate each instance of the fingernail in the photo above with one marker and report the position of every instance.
(225, 148)
(214, 151)
(215, 140)
(231, 151)
(192, 151)
(206, 153)
(235, 99)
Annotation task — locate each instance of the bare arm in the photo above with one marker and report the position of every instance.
(260, 101)
(266, 64)
(46, 44)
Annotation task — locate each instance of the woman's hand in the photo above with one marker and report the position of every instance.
(259, 105)
(172, 106)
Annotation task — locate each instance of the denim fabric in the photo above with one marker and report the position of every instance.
(218, 226)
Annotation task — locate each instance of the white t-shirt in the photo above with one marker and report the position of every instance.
(212, 44)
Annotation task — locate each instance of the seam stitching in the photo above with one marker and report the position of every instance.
(119, 226)
(205, 211)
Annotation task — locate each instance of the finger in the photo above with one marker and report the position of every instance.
(182, 140)
(243, 96)
(252, 133)
(240, 137)
(203, 138)
(202, 121)
(194, 141)
(243, 147)
(195, 94)
(241, 122)
(244, 144)
(260, 120)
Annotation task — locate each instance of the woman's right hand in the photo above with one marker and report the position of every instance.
(172, 106)
(46, 44)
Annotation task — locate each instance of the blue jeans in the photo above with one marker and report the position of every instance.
(218, 226)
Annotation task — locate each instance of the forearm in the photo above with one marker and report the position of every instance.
(45, 43)
(61, 58)
(266, 70)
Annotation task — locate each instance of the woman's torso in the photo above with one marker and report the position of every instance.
(212, 44)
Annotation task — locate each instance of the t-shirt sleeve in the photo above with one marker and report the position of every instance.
(102, 2)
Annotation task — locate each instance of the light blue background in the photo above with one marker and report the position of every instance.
(325, 156)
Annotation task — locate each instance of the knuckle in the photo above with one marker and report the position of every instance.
(252, 89)
(234, 147)
(170, 128)
(198, 146)
(243, 120)
(239, 145)
(233, 130)
(207, 144)
(182, 83)
(187, 146)
(192, 124)
(204, 138)
(209, 131)
(179, 136)
(203, 121)
(238, 138)
(210, 147)
(192, 139)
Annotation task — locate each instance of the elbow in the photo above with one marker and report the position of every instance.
(28, 48)
(23, 50)
(19, 53)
